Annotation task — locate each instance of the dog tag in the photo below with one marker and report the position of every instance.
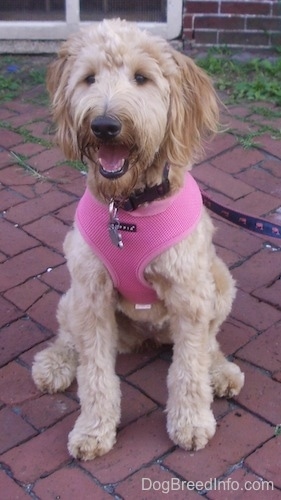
(113, 226)
(115, 236)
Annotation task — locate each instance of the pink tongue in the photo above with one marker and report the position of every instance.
(112, 158)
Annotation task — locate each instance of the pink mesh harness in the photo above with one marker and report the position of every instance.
(159, 226)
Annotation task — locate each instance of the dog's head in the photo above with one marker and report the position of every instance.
(128, 102)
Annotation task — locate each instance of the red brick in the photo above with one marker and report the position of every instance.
(34, 209)
(237, 111)
(76, 187)
(242, 242)
(9, 421)
(145, 485)
(234, 335)
(240, 482)
(220, 407)
(265, 350)
(254, 8)
(228, 256)
(16, 384)
(66, 214)
(198, 7)
(17, 337)
(23, 119)
(40, 129)
(260, 394)
(266, 461)
(270, 293)
(257, 203)
(261, 179)
(47, 410)
(65, 174)
(47, 159)
(238, 159)
(16, 176)
(275, 8)
(6, 113)
(20, 106)
(254, 313)
(255, 39)
(221, 181)
(272, 146)
(218, 22)
(5, 158)
(23, 296)
(29, 149)
(127, 363)
(3, 257)
(260, 269)
(8, 312)
(9, 138)
(12, 490)
(27, 265)
(42, 454)
(148, 436)
(221, 142)
(187, 22)
(69, 483)
(152, 380)
(222, 451)
(49, 231)
(134, 404)
(57, 278)
(44, 311)
(205, 37)
(263, 23)
(277, 376)
(15, 240)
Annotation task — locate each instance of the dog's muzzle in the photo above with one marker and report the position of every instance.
(112, 156)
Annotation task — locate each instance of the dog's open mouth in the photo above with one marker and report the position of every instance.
(113, 160)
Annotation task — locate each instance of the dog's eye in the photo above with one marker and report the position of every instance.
(140, 79)
(90, 79)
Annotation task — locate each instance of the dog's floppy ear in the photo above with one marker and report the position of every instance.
(193, 113)
(57, 80)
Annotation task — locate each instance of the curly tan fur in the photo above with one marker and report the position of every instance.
(165, 118)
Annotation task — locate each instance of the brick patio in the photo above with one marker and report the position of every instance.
(36, 214)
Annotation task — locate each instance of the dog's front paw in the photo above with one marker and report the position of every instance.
(53, 369)
(227, 380)
(86, 442)
(192, 433)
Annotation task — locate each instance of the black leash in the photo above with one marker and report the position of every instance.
(257, 225)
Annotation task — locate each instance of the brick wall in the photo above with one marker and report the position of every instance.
(252, 23)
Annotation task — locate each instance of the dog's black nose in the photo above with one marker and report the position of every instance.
(105, 127)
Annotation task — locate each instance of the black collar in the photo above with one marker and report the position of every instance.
(149, 194)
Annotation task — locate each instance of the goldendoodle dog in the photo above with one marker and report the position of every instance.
(140, 255)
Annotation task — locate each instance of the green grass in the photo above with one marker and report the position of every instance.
(20, 75)
(255, 80)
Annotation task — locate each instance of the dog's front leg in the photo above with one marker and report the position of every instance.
(94, 432)
(190, 421)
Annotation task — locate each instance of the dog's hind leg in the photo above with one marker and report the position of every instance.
(55, 367)
(226, 377)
